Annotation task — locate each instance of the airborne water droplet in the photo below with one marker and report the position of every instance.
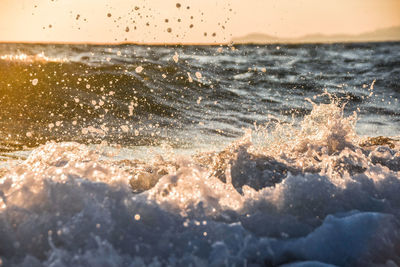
(139, 69)
(189, 77)
(125, 128)
(176, 57)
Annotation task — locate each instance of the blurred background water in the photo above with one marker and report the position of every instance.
(187, 96)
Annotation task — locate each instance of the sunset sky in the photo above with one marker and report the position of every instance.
(189, 21)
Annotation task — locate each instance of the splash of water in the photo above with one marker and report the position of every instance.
(313, 193)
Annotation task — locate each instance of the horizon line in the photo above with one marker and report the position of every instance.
(271, 42)
(118, 43)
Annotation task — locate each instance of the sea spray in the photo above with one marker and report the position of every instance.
(313, 193)
(88, 94)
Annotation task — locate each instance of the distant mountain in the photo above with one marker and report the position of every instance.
(381, 35)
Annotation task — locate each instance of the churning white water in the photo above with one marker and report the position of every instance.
(312, 195)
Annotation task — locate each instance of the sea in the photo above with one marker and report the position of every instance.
(224, 155)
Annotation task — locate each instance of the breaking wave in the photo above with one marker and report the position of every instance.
(310, 195)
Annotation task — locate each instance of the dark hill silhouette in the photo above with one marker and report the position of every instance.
(380, 35)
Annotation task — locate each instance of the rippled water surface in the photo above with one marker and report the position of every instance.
(200, 155)
(96, 93)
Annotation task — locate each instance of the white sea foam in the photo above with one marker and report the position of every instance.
(317, 195)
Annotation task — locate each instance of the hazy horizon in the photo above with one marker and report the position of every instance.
(379, 35)
(264, 38)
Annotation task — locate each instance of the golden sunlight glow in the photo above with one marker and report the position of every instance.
(189, 21)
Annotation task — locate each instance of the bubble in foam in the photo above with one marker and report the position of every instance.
(35, 82)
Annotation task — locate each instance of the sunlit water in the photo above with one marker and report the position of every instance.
(222, 156)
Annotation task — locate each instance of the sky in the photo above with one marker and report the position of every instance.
(188, 21)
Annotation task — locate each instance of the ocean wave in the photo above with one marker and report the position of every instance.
(314, 194)
(85, 93)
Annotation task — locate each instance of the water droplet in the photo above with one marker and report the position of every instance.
(176, 57)
(125, 128)
(139, 69)
(189, 77)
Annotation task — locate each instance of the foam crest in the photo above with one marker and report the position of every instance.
(191, 191)
(41, 57)
(315, 193)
